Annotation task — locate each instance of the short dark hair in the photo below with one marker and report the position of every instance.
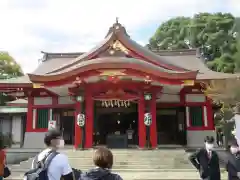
(209, 139)
(103, 158)
(50, 135)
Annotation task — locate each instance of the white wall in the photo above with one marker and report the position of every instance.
(168, 98)
(195, 98)
(196, 138)
(42, 101)
(17, 128)
(5, 124)
(65, 100)
(34, 140)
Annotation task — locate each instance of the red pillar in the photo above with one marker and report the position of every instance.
(78, 132)
(29, 123)
(210, 114)
(153, 127)
(89, 120)
(141, 125)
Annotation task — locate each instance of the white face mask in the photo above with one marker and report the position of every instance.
(234, 150)
(61, 143)
(209, 146)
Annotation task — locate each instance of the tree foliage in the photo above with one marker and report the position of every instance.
(237, 56)
(8, 69)
(171, 34)
(237, 25)
(214, 34)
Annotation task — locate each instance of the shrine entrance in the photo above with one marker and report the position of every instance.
(116, 127)
(116, 121)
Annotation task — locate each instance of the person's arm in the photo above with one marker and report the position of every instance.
(232, 120)
(193, 158)
(67, 173)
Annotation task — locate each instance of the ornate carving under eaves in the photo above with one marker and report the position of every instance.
(112, 53)
(119, 72)
(118, 46)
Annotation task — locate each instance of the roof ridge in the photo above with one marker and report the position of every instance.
(118, 32)
(59, 53)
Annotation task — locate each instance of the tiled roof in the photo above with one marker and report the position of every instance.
(18, 101)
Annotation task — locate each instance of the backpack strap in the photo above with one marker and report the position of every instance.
(44, 163)
(48, 159)
(35, 162)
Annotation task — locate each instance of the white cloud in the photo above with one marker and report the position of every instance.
(75, 25)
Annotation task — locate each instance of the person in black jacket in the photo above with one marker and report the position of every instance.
(206, 161)
(103, 160)
(232, 161)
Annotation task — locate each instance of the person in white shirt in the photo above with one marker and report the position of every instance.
(59, 166)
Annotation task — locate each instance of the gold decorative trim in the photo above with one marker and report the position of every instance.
(188, 82)
(112, 73)
(117, 45)
(38, 85)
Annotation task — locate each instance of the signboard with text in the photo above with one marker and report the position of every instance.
(81, 120)
(147, 119)
(52, 124)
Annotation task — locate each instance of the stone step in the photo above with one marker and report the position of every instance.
(127, 152)
(128, 163)
(122, 162)
(170, 175)
(125, 170)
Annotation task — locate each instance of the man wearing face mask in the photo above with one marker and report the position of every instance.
(232, 162)
(206, 161)
(59, 165)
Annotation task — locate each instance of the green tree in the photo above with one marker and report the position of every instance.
(237, 25)
(212, 33)
(237, 56)
(171, 34)
(8, 69)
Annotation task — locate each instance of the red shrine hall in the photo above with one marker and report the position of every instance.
(115, 86)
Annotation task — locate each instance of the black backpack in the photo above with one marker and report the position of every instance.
(39, 172)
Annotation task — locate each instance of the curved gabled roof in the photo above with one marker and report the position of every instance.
(118, 32)
(115, 63)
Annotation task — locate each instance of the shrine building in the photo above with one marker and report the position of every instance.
(113, 85)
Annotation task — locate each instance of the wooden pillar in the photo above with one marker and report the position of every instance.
(78, 133)
(89, 119)
(153, 127)
(210, 119)
(141, 125)
(29, 123)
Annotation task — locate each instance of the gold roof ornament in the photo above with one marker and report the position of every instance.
(112, 72)
(118, 46)
(38, 85)
(188, 82)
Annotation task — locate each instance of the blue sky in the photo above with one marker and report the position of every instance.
(32, 26)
